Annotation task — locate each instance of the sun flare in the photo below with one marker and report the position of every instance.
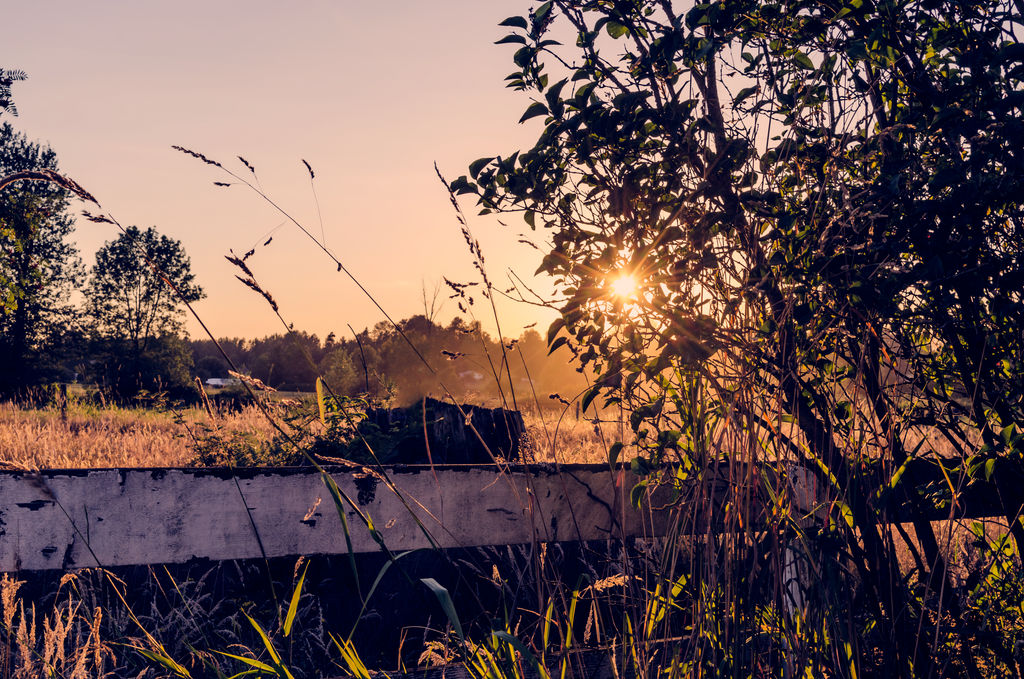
(624, 286)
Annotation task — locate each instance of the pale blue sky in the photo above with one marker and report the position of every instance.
(370, 93)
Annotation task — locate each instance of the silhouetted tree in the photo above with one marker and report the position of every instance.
(39, 267)
(136, 314)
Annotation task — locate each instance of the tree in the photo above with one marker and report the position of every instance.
(38, 266)
(820, 204)
(340, 371)
(135, 294)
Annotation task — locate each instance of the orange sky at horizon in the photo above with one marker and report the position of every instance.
(371, 94)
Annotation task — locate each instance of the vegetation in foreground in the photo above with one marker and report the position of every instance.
(791, 233)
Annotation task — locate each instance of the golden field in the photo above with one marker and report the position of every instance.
(86, 436)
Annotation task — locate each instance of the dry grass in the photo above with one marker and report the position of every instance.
(88, 437)
(65, 642)
(554, 437)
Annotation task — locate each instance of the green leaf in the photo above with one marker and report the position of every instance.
(584, 92)
(803, 60)
(511, 38)
(556, 344)
(523, 56)
(745, 93)
(615, 29)
(640, 466)
(542, 12)
(589, 397)
(636, 495)
(846, 513)
(373, 588)
(337, 496)
(293, 605)
(898, 474)
(556, 326)
(533, 110)
(515, 22)
(462, 185)
(477, 165)
(553, 97)
(613, 453)
(446, 604)
(355, 665)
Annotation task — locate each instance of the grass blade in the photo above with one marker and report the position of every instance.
(353, 662)
(373, 588)
(523, 651)
(165, 660)
(445, 600)
(336, 495)
(321, 401)
(293, 605)
(279, 669)
(251, 662)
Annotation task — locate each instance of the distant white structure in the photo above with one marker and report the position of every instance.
(223, 381)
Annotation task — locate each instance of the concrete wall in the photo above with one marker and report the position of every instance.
(115, 517)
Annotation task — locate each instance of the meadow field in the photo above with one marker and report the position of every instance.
(90, 436)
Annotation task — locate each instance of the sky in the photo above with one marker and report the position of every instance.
(371, 94)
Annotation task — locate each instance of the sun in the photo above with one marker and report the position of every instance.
(624, 286)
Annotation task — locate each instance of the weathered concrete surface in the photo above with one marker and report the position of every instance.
(111, 517)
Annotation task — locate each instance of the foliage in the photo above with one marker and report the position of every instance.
(125, 369)
(996, 591)
(138, 285)
(7, 78)
(38, 266)
(134, 298)
(821, 203)
(219, 444)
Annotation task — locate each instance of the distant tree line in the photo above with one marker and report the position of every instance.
(379, 363)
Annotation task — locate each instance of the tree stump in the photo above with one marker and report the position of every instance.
(478, 438)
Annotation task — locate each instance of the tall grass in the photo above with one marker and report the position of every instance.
(85, 436)
(66, 641)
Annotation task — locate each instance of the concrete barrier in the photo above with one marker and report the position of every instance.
(65, 519)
